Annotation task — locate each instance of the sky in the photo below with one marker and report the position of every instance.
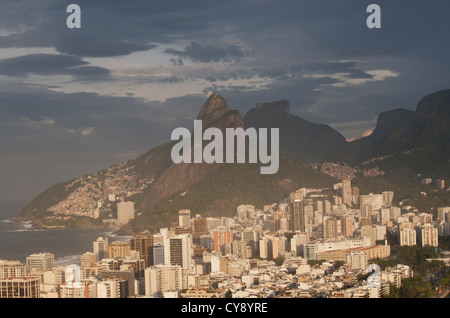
(74, 101)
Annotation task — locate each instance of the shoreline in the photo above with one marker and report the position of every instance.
(22, 231)
(37, 225)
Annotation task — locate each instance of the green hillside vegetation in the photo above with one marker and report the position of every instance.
(233, 184)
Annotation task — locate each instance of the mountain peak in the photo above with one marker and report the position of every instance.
(436, 103)
(300, 139)
(389, 120)
(214, 108)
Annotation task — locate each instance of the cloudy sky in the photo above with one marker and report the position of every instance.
(73, 101)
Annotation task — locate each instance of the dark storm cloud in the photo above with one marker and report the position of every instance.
(331, 28)
(207, 53)
(89, 45)
(49, 136)
(116, 120)
(43, 64)
(90, 73)
(52, 64)
(114, 28)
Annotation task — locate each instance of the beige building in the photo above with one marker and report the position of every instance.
(184, 218)
(41, 261)
(100, 248)
(119, 249)
(20, 287)
(443, 213)
(163, 278)
(87, 259)
(125, 212)
(198, 293)
(373, 252)
(12, 269)
(407, 237)
(357, 260)
(428, 235)
(84, 289)
(370, 232)
(375, 200)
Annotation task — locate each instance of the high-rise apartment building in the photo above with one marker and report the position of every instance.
(200, 228)
(330, 228)
(264, 247)
(355, 195)
(443, 214)
(177, 251)
(428, 235)
(319, 206)
(347, 192)
(370, 232)
(158, 254)
(184, 218)
(20, 287)
(394, 213)
(111, 288)
(12, 269)
(163, 278)
(357, 260)
(407, 237)
(375, 200)
(100, 248)
(125, 212)
(326, 207)
(388, 197)
(281, 221)
(241, 249)
(143, 243)
(119, 249)
(41, 261)
(298, 242)
(384, 215)
(87, 259)
(366, 210)
(297, 216)
(346, 225)
(126, 274)
(221, 237)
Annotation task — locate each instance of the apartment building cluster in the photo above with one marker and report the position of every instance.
(314, 243)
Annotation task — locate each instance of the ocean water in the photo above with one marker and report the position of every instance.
(19, 240)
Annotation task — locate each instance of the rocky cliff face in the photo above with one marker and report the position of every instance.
(436, 103)
(178, 178)
(414, 141)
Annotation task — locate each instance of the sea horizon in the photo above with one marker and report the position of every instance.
(19, 239)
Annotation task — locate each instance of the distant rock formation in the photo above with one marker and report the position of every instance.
(180, 177)
(302, 140)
